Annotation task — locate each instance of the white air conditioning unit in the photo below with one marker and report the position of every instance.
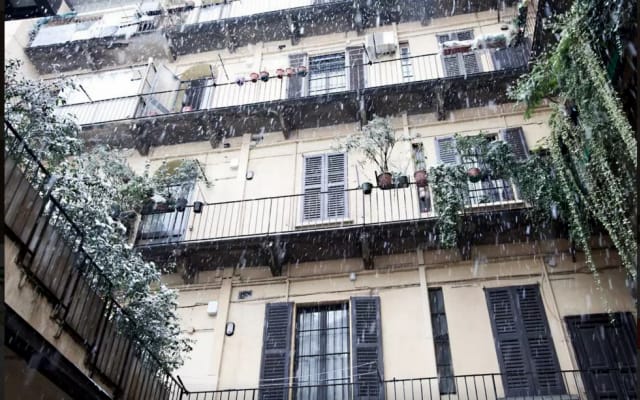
(381, 43)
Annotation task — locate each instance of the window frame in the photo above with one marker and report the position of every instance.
(328, 74)
(176, 221)
(316, 390)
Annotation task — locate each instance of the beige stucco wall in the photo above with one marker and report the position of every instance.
(402, 281)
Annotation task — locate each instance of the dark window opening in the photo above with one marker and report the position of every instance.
(446, 381)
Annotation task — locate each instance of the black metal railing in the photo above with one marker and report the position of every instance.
(462, 387)
(223, 93)
(53, 256)
(315, 211)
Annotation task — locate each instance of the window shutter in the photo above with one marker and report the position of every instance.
(545, 368)
(451, 65)
(276, 345)
(336, 177)
(523, 342)
(471, 65)
(356, 69)
(313, 176)
(508, 58)
(509, 342)
(515, 138)
(296, 83)
(447, 153)
(367, 348)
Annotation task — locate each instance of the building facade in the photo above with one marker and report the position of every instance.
(294, 280)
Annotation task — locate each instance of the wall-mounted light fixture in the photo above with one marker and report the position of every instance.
(231, 327)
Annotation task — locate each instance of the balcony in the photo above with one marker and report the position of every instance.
(53, 258)
(155, 115)
(318, 226)
(69, 42)
(467, 387)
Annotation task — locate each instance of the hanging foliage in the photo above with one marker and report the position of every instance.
(593, 148)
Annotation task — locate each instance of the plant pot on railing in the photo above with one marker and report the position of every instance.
(367, 187)
(385, 180)
(254, 77)
(197, 207)
(181, 204)
(420, 177)
(402, 182)
(474, 174)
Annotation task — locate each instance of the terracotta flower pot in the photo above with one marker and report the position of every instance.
(474, 174)
(254, 76)
(280, 73)
(420, 177)
(290, 72)
(385, 180)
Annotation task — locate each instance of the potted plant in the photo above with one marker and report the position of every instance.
(254, 76)
(302, 70)
(290, 72)
(420, 174)
(474, 174)
(280, 73)
(367, 187)
(376, 141)
(401, 181)
(264, 76)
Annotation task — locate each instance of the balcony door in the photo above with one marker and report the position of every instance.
(327, 74)
(324, 181)
(605, 349)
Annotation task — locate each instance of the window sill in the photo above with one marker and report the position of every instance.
(323, 223)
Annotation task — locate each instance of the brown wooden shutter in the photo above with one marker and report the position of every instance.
(515, 138)
(356, 67)
(276, 354)
(296, 83)
(523, 342)
(366, 335)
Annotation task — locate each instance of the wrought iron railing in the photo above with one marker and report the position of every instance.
(462, 387)
(227, 93)
(53, 256)
(315, 211)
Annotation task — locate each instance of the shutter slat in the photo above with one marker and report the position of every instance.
(471, 65)
(276, 345)
(516, 140)
(451, 65)
(447, 153)
(312, 201)
(367, 348)
(523, 342)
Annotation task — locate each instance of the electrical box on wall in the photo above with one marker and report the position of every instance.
(212, 308)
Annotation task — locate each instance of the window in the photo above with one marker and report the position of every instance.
(446, 382)
(321, 358)
(523, 342)
(161, 221)
(460, 35)
(197, 94)
(327, 74)
(406, 62)
(336, 351)
(488, 189)
(324, 184)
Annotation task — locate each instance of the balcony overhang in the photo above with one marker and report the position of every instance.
(443, 94)
(500, 225)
